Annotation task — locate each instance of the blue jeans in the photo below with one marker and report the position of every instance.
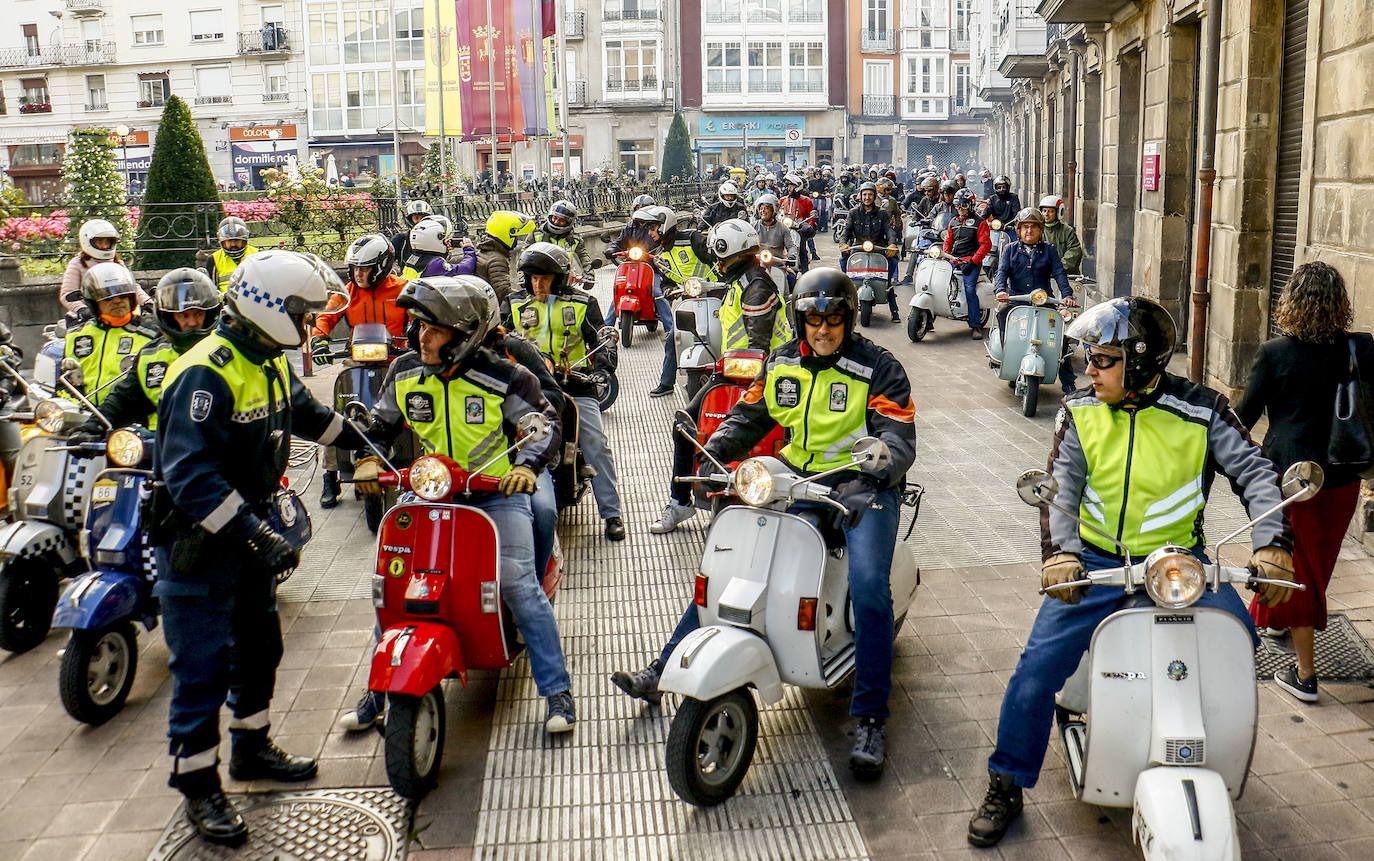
(544, 507)
(970, 273)
(1059, 636)
(871, 545)
(592, 440)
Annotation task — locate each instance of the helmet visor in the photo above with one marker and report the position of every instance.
(1105, 324)
(823, 303)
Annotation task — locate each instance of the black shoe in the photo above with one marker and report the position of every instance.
(216, 820)
(641, 685)
(998, 811)
(869, 753)
(977, 335)
(329, 493)
(905, 282)
(256, 757)
(1303, 689)
(660, 391)
(896, 318)
(615, 529)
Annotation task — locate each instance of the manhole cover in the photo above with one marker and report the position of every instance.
(335, 824)
(1342, 655)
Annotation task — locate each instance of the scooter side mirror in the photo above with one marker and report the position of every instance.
(598, 263)
(685, 320)
(608, 332)
(534, 427)
(874, 452)
(1037, 487)
(684, 423)
(1302, 480)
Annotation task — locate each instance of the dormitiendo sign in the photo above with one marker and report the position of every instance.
(256, 148)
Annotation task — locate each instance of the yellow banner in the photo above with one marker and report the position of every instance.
(549, 59)
(441, 67)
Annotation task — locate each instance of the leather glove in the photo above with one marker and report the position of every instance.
(1062, 568)
(86, 433)
(365, 473)
(520, 479)
(1276, 564)
(319, 350)
(273, 552)
(856, 494)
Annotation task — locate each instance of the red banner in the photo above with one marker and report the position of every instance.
(487, 54)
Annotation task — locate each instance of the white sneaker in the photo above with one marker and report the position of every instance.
(673, 514)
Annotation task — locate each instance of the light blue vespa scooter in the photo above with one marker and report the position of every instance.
(1034, 344)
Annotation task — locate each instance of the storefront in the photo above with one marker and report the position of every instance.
(254, 149)
(574, 154)
(133, 157)
(373, 159)
(761, 141)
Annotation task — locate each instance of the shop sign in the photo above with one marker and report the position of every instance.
(262, 133)
(763, 127)
(1150, 167)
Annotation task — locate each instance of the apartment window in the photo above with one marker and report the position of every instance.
(274, 82)
(31, 40)
(324, 38)
(365, 34)
(326, 103)
(411, 97)
(961, 85)
(153, 90)
(763, 11)
(877, 16)
(806, 67)
(410, 33)
(722, 11)
(636, 157)
(929, 19)
(805, 11)
(212, 85)
(765, 67)
(147, 29)
(631, 65)
(90, 34)
(367, 99)
(34, 91)
(963, 12)
(723, 67)
(207, 25)
(95, 93)
(925, 76)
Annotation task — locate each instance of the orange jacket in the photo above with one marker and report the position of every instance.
(367, 306)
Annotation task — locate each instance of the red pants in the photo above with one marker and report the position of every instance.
(1318, 528)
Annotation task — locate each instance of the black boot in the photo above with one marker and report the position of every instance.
(255, 757)
(998, 811)
(329, 493)
(217, 820)
(643, 684)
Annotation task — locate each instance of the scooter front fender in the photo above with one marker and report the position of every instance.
(25, 538)
(413, 657)
(866, 292)
(923, 301)
(717, 659)
(1033, 364)
(1184, 813)
(100, 599)
(628, 302)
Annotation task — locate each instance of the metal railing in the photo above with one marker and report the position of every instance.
(806, 87)
(276, 97)
(214, 100)
(723, 87)
(79, 6)
(94, 52)
(878, 40)
(574, 25)
(265, 41)
(879, 106)
(958, 42)
(765, 86)
(647, 84)
(805, 16)
(577, 92)
(618, 12)
(97, 106)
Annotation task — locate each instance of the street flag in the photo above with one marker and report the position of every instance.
(443, 71)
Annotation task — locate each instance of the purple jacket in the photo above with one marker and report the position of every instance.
(438, 266)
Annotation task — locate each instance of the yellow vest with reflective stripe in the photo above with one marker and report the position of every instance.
(824, 413)
(225, 266)
(455, 417)
(256, 395)
(552, 336)
(733, 334)
(101, 350)
(683, 263)
(152, 367)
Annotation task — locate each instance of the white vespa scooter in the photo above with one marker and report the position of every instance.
(1161, 714)
(940, 293)
(774, 607)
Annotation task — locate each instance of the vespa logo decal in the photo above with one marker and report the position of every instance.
(1124, 676)
(1177, 670)
(392, 548)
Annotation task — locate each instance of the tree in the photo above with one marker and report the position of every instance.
(181, 203)
(677, 152)
(94, 186)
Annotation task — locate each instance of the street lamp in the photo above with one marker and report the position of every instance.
(274, 135)
(123, 132)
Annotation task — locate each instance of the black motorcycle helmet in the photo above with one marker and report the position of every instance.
(457, 302)
(545, 258)
(1140, 327)
(949, 186)
(186, 289)
(825, 289)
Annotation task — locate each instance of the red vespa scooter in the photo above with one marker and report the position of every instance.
(632, 293)
(437, 591)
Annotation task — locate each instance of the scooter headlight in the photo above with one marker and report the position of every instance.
(742, 367)
(1038, 297)
(368, 352)
(430, 479)
(933, 252)
(868, 245)
(787, 222)
(995, 224)
(1174, 578)
(692, 288)
(124, 448)
(636, 253)
(754, 482)
(765, 257)
(49, 416)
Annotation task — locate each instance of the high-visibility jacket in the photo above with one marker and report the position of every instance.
(102, 350)
(222, 266)
(752, 314)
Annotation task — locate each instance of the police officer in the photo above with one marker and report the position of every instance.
(683, 254)
(863, 391)
(557, 228)
(114, 333)
(228, 410)
(566, 324)
(187, 307)
(233, 247)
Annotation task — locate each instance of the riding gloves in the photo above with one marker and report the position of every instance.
(365, 473)
(520, 479)
(855, 494)
(1062, 568)
(1274, 563)
(319, 350)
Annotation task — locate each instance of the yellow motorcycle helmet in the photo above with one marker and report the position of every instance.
(505, 225)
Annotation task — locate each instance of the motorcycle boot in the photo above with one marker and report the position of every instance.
(615, 529)
(643, 684)
(216, 819)
(329, 492)
(869, 753)
(999, 810)
(254, 756)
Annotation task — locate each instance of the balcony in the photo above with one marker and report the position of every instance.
(27, 107)
(577, 92)
(806, 16)
(265, 41)
(214, 100)
(626, 12)
(97, 106)
(873, 41)
(1082, 11)
(879, 106)
(1034, 66)
(276, 97)
(84, 7)
(958, 42)
(90, 53)
(717, 87)
(644, 88)
(574, 25)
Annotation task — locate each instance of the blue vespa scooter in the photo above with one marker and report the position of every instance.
(1035, 332)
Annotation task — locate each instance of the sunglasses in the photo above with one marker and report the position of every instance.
(1102, 361)
(815, 318)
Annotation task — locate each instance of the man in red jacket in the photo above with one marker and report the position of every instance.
(967, 241)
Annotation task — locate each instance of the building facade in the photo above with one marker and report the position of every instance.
(68, 64)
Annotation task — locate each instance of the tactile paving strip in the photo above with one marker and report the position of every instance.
(335, 824)
(1342, 655)
(601, 792)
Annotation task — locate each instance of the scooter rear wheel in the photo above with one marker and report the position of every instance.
(694, 382)
(98, 669)
(28, 595)
(373, 509)
(711, 745)
(414, 742)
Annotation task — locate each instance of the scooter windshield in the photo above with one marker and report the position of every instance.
(1106, 323)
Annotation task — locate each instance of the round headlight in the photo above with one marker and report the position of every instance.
(765, 257)
(933, 252)
(995, 224)
(1038, 297)
(693, 287)
(868, 245)
(430, 478)
(787, 222)
(636, 253)
(124, 448)
(754, 482)
(1174, 578)
(49, 415)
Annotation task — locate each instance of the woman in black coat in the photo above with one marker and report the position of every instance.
(1294, 381)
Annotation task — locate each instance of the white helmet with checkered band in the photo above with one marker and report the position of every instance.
(273, 291)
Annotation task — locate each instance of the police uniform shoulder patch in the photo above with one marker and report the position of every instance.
(569, 315)
(420, 407)
(787, 392)
(154, 374)
(221, 356)
(126, 345)
(201, 401)
(83, 346)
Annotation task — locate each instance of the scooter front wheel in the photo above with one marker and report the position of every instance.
(627, 329)
(711, 745)
(414, 742)
(1031, 399)
(373, 509)
(28, 596)
(865, 312)
(919, 324)
(97, 672)
(695, 379)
